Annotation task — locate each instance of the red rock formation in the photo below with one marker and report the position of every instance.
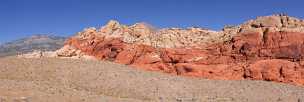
(262, 49)
(276, 70)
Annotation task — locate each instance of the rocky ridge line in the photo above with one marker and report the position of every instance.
(142, 33)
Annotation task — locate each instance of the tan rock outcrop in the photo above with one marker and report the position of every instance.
(67, 51)
(34, 54)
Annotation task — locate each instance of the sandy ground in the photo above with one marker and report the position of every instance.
(67, 80)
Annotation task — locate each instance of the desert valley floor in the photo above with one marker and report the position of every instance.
(69, 80)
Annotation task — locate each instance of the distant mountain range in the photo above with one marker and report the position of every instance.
(35, 42)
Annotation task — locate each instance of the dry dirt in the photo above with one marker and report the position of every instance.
(67, 80)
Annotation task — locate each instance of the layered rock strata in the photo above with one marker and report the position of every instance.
(268, 48)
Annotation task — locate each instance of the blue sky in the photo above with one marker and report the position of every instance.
(22, 18)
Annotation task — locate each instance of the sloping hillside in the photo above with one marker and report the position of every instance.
(36, 42)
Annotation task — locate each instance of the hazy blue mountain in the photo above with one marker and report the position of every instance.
(36, 42)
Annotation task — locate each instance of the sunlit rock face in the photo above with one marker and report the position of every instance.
(268, 48)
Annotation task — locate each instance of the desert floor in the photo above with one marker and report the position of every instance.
(68, 80)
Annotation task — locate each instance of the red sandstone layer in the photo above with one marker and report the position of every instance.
(250, 56)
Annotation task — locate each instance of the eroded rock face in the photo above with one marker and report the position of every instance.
(276, 70)
(269, 48)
